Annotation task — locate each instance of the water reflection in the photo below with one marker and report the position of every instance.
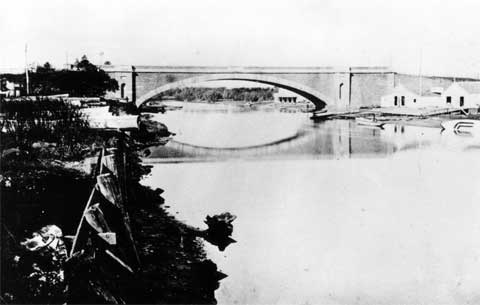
(321, 228)
(207, 132)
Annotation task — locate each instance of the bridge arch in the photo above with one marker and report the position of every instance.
(317, 98)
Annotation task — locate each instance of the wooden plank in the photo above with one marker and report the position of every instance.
(79, 228)
(119, 261)
(96, 219)
(109, 162)
(109, 237)
(98, 166)
(81, 222)
(108, 187)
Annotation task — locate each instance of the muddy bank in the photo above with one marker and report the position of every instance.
(174, 265)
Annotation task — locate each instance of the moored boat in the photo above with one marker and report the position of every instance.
(369, 122)
(322, 114)
(462, 126)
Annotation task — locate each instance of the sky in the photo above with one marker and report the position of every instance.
(414, 36)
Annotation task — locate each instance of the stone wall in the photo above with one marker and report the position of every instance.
(368, 88)
(412, 82)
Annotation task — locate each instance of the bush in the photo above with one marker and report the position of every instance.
(43, 125)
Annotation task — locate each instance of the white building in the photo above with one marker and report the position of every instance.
(402, 96)
(9, 89)
(462, 95)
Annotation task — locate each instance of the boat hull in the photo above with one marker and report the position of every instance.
(367, 122)
(462, 126)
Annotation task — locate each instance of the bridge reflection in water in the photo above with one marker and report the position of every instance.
(329, 139)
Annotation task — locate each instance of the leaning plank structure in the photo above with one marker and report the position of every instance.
(103, 235)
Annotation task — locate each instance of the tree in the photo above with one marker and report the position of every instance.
(85, 65)
(47, 67)
(86, 80)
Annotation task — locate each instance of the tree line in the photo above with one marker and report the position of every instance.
(84, 79)
(254, 94)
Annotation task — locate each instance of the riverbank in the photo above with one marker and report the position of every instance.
(421, 117)
(39, 189)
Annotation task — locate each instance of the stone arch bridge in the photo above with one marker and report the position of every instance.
(336, 88)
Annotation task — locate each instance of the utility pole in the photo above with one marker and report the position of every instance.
(134, 85)
(26, 71)
(420, 78)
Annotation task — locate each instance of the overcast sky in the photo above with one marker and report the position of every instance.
(443, 35)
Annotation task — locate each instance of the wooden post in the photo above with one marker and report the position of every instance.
(122, 179)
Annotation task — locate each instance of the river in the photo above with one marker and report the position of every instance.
(328, 213)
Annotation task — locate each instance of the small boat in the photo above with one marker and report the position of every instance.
(462, 126)
(322, 114)
(172, 108)
(369, 122)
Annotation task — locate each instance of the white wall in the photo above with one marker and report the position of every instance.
(472, 101)
(430, 101)
(455, 92)
(413, 101)
(389, 100)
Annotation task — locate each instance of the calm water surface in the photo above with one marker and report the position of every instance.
(328, 213)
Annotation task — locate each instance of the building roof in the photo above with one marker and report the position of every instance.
(472, 87)
(402, 89)
(425, 91)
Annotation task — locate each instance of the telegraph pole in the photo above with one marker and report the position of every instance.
(26, 71)
(420, 78)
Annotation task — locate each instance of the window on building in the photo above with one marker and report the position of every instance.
(403, 100)
(462, 101)
(340, 91)
(414, 100)
(395, 100)
(449, 99)
(122, 91)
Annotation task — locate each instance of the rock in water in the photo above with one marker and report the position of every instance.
(220, 229)
(146, 123)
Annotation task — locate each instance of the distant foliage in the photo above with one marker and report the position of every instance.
(218, 94)
(83, 80)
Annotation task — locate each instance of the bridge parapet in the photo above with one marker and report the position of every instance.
(245, 69)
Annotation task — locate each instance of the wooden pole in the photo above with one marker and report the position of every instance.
(122, 178)
(26, 71)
